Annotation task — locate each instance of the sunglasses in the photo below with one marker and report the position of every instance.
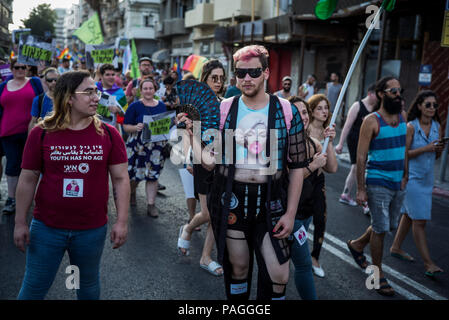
(50, 80)
(253, 72)
(431, 104)
(216, 78)
(20, 67)
(395, 90)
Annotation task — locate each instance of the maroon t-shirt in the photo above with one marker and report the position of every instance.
(74, 190)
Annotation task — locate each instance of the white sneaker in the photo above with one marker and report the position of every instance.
(365, 209)
(347, 200)
(318, 271)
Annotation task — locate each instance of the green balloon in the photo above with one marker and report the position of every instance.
(325, 8)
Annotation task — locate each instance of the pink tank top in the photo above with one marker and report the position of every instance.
(16, 110)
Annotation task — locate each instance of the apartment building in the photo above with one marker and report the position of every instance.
(5, 20)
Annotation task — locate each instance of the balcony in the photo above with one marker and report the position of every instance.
(238, 9)
(202, 15)
(171, 27)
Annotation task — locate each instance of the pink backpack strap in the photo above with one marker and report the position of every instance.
(224, 110)
(287, 109)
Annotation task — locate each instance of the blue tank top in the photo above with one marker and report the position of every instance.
(386, 155)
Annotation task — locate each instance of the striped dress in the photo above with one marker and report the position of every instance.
(386, 155)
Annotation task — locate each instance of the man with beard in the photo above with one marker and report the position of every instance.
(146, 68)
(382, 141)
(286, 86)
(248, 203)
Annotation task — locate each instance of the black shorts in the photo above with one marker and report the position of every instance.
(202, 180)
(352, 143)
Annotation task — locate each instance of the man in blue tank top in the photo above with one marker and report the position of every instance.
(382, 142)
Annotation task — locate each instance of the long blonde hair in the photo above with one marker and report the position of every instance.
(59, 118)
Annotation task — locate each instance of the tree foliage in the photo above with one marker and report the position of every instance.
(41, 20)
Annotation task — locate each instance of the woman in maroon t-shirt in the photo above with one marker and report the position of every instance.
(75, 153)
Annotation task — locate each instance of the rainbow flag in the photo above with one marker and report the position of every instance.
(63, 53)
(194, 64)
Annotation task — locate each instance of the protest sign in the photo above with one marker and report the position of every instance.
(5, 71)
(158, 127)
(106, 101)
(33, 50)
(98, 55)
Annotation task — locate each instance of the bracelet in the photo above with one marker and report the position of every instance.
(309, 169)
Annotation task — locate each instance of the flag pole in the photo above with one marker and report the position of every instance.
(351, 70)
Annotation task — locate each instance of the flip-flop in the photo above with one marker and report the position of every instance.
(382, 291)
(359, 257)
(183, 244)
(432, 274)
(405, 257)
(212, 268)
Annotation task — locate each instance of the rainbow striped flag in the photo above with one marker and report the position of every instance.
(194, 64)
(63, 53)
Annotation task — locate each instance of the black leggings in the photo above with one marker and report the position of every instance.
(319, 215)
(247, 229)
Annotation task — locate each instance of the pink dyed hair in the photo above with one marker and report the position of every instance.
(253, 51)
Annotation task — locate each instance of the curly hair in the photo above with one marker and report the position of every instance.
(414, 112)
(313, 103)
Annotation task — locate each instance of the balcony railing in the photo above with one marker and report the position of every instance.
(202, 15)
(171, 27)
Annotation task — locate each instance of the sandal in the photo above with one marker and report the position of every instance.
(385, 289)
(183, 244)
(359, 257)
(405, 257)
(212, 268)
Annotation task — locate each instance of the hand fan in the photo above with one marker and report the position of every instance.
(199, 102)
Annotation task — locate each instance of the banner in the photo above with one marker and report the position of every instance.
(33, 50)
(101, 54)
(158, 127)
(90, 31)
(135, 72)
(5, 71)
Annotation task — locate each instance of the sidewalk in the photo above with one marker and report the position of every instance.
(441, 188)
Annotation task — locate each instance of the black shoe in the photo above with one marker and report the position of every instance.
(161, 187)
(10, 206)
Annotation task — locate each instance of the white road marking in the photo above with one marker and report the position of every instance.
(348, 258)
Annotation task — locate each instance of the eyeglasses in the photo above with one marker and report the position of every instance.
(253, 72)
(395, 91)
(431, 104)
(216, 78)
(20, 67)
(91, 93)
(50, 80)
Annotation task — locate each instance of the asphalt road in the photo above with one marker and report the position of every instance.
(149, 267)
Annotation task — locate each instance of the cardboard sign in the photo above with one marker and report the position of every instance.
(158, 127)
(99, 54)
(33, 50)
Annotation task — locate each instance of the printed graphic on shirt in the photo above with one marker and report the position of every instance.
(73, 188)
(76, 153)
(251, 138)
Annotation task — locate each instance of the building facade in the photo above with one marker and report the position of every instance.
(5, 20)
(59, 27)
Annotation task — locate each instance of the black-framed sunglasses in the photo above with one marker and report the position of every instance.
(50, 80)
(395, 91)
(253, 72)
(216, 78)
(20, 67)
(431, 104)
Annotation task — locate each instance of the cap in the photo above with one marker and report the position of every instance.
(286, 78)
(145, 59)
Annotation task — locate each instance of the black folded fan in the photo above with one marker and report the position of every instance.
(199, 102)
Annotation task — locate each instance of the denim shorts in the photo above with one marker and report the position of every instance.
(385, 207)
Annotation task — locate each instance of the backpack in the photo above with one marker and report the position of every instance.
(225, 106)
(40, 103)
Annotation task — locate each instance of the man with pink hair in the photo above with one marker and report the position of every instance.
(253, 199)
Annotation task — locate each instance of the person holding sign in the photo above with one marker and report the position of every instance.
(107, 84)
(16, 98)
(145, 159)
